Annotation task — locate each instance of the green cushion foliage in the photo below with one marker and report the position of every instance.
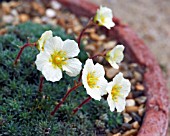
(24, 111)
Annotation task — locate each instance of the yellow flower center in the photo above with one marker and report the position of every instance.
(115, 56)
(92, 80)
(109, 57)
(116, 92)
(102, 19)
(58, 59)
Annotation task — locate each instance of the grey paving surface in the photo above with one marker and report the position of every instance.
(151, 21)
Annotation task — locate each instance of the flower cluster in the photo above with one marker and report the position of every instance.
(57, 55)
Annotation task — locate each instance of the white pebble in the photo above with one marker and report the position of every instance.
(55, 5)
(50, 13)
(8, 19)
(130, 102)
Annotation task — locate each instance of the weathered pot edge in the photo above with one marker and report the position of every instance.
(155, 122)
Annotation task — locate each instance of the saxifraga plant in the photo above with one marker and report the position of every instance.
(24, 111)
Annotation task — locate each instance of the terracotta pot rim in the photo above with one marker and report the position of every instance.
(155, 122)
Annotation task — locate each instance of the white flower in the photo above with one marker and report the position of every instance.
(57, 56)
(93, 79)
(44, 37)
(104, 17)
(118, 90)
(115, 56)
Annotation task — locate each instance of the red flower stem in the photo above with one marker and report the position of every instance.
(84, 29)
(84, 102)
(64, 98)
(41, 84)
(21, 50)
(80, 76)
(95, 56)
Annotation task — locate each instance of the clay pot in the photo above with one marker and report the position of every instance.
(155, 121)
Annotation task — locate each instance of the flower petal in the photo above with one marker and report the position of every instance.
(73, 67)
(44, 37)
(71, 48)
(102, 84)
(108, 24)
(120, 105)
(118, 78)
(113, 64)
(99, 70)
(53, 44)
(118, 51)
(109, 87)
(94, 93)
(111, 104)
(50, 73)
(126, 87)
(42, 59)
(89, 66)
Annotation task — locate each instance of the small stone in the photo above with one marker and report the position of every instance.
(39, 8)
(132, 109)
(133, 81)
(126, 126)
(14, 12)
(137, 76)
(117, 134)
(130, 102)
(107, 131)
(127, 74)
(69, 31)
(37, 20)
(133, 65)
(139, 87)
(135, 125)
(14, 4)
(109, 45)
(61, 22)
(141, 110)
(99, 43)
(35, 5)
(85, 41)
(5, 7)
(111, 72)
(3, 31)
(102, 37)
(23, 17)
(115, 130)
(77, 28)
(131, 132)
(90, 30)
(94, 37)
(48, 20)
(50, 13)
(75, 21)
(8, 18)
(135, 116)
(55, 5)
(41, 11)
(127, 117)
(141, 99)
(90, 47)
(130, 96)
(138, 94)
